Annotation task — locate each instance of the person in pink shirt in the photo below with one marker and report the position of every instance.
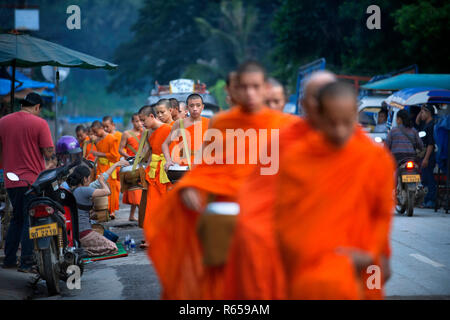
(26, 149)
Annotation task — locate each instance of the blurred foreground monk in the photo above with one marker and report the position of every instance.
(107, 153)
(129, 146)
(175, 249)
(254, 270)
(318, 245)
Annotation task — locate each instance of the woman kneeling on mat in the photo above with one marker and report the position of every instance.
(92, 242)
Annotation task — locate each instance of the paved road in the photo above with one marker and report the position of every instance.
(420, 263)
(421, 255)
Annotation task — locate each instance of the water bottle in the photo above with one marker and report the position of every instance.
(126, 243)
(132, 246)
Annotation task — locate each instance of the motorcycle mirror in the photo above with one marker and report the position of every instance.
(422, 134)
(12, 176)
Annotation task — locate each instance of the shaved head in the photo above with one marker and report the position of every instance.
(276, 95)
(311, 87)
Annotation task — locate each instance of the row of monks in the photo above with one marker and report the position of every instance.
(312, 230)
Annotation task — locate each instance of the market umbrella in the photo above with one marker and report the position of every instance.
(20, 50)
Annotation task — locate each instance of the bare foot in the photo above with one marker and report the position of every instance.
(132, 219)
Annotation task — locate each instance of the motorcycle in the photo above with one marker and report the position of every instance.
(409, 191)
(53, 218)
(5, 211)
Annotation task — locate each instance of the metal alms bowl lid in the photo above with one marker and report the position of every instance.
(225, 208)
(177, 167)
(130, 168)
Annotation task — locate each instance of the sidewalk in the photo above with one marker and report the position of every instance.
(15, 285)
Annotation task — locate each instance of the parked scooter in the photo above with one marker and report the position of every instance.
(5, 211)
(53, 226)
(409, 191)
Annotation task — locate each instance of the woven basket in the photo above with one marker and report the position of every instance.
(100, 203)
(102, 216)
(98, 228)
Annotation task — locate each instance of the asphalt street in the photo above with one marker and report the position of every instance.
(420, 266)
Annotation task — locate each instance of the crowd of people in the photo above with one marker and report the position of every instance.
(309, 231)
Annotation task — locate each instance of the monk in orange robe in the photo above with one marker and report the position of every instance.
(163, 113)
(110, 127)
(175, 249)
(175, 151)
(86, 143)
(156, 177)
(328, 237)
(254, 270)
(107, 153)
(129, 146)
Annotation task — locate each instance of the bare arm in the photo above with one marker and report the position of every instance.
(121, 163)
(103, 191)
(50, 157)
(123, 143)
(165, 145)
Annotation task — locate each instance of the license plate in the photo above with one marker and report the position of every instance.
(411, 178)
(46, 230)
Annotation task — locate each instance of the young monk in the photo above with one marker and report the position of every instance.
(162, 109)
(276, 96)
(85, 142)
(107, 153)
(328, 237)
(231, 88)
(110, 127)
(129, 145)
(183, 110)
(175, 248)
(156, 177)
(175, 109)
(195, 106)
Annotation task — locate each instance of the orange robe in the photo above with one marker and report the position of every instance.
(177, 147)
(328, 198)
(115, 182)
(110, 147)
(90, 146)
(174, 246)
(132, 197)
(156, 188)
(254, 270)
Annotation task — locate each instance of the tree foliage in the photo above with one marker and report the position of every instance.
(411, 32)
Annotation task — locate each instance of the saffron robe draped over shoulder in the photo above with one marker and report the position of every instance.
(328, 199)
(88, 146)
(174, 248)
(110, 147)
(157, 186)
(254, 270)
(194, 143)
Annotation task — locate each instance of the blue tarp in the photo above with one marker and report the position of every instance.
(27, 83)
(5, 86)
(78, 120)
